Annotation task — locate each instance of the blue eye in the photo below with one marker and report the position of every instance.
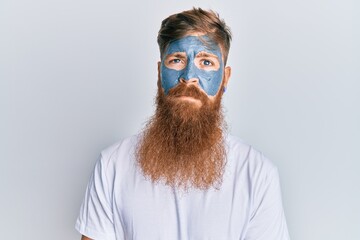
(207, 62)
(175, 60)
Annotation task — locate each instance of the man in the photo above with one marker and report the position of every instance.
(183, 177)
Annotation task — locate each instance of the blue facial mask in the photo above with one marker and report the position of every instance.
(209, 80)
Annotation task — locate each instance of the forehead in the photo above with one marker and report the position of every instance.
(194, 44)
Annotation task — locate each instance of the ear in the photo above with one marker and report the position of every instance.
(227, 74)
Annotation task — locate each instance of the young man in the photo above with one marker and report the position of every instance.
(183, 177)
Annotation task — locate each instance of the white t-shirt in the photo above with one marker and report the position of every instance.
(120, 203)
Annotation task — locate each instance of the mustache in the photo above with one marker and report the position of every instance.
(184, 90)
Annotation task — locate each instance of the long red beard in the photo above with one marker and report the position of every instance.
(182, 145)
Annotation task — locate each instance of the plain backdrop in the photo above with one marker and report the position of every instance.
(77, 76)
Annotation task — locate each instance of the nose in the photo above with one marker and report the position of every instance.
(189, 81)
(189, 76)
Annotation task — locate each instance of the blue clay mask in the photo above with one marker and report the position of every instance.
(192, 57)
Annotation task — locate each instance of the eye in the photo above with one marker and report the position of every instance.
(207, 62)
(175, 60)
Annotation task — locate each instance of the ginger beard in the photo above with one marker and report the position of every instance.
(182, 144)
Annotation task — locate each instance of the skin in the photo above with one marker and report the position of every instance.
(193, 57)
(207, 61)
(194, 81)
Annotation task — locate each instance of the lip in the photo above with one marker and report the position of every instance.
(187, 98)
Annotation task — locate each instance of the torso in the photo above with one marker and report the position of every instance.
(144, 210)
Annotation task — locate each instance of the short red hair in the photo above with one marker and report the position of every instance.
(195, 20)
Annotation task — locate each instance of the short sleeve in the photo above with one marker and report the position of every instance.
(96, 216)
(268, 221)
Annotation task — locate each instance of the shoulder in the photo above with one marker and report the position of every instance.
(126, 143)
(245, 156)
(120, 150)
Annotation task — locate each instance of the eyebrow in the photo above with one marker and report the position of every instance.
(177, 55)
(205, 54)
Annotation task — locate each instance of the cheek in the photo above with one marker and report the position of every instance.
(211, 81)
(169, 78)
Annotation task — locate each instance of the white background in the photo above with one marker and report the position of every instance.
(76, 76)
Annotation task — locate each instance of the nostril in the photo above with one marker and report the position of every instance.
(188, 81)
(182, 80)
(193, 80)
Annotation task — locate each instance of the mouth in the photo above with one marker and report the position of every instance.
(189, 99)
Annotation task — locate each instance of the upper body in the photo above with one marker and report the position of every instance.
(120, 203)
(183, 177)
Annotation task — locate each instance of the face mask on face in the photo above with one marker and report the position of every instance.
(193, 57)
